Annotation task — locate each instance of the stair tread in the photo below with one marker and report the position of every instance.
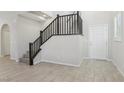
(24, 60)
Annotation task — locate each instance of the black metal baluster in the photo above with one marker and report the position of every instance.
(46, 33)
(56, 27)
(72, 25)
(65, 24)
(50, 31)
(75, 24)
(43, 37)
(36, 46)
(81, 27)
(33, 49)
(57, 24)
(53, 27)
(30, 54)
(78, 22)
(62, 25)
(68, 25)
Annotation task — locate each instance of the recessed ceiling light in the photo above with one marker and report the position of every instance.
(41, 18)
(44, 16)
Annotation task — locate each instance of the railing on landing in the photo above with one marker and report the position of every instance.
(62, 25)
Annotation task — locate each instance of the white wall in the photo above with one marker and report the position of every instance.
(65, 50)
(98, 18)
(5, 40)
(85, 35)
(10, 19)
(118, 49)
(22, 31)
(27, 31)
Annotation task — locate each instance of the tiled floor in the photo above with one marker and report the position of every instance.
(90, 70)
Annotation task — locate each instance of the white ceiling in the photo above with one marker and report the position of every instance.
(35, 15)
(42, 16)
(98, 17)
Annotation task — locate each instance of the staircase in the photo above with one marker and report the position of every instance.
(25, 58)
(62, 25)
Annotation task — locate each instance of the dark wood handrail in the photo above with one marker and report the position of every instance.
(49, 24)
(45, 29)
(68, 14)
(36, 39)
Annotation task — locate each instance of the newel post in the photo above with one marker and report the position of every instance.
(30, 54)
(78, 22)
(57, 24)
(41, 35)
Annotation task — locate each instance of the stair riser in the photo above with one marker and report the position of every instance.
(26, 56)
(24, 60)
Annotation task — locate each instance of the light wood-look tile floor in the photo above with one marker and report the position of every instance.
(89, 71)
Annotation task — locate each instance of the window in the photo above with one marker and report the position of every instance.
(118, 27)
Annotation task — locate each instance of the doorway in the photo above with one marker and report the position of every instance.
(5, 40)
(98, 41)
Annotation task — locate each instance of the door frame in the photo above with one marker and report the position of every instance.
(107, 43)
(2, 31)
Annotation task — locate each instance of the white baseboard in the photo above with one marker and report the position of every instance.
(86, 58)
(97, 59)
(54, 62)
(35, 63)
(1, 56)
(109, 60)
(17, 60)
(122, 73)
(10, 57)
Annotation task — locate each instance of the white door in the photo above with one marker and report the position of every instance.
(7, 42)
(98, 41)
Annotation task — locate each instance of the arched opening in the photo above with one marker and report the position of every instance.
(5, 40)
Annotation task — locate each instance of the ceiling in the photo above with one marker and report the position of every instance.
(36, 15)
(98, 17)
(42, 16)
